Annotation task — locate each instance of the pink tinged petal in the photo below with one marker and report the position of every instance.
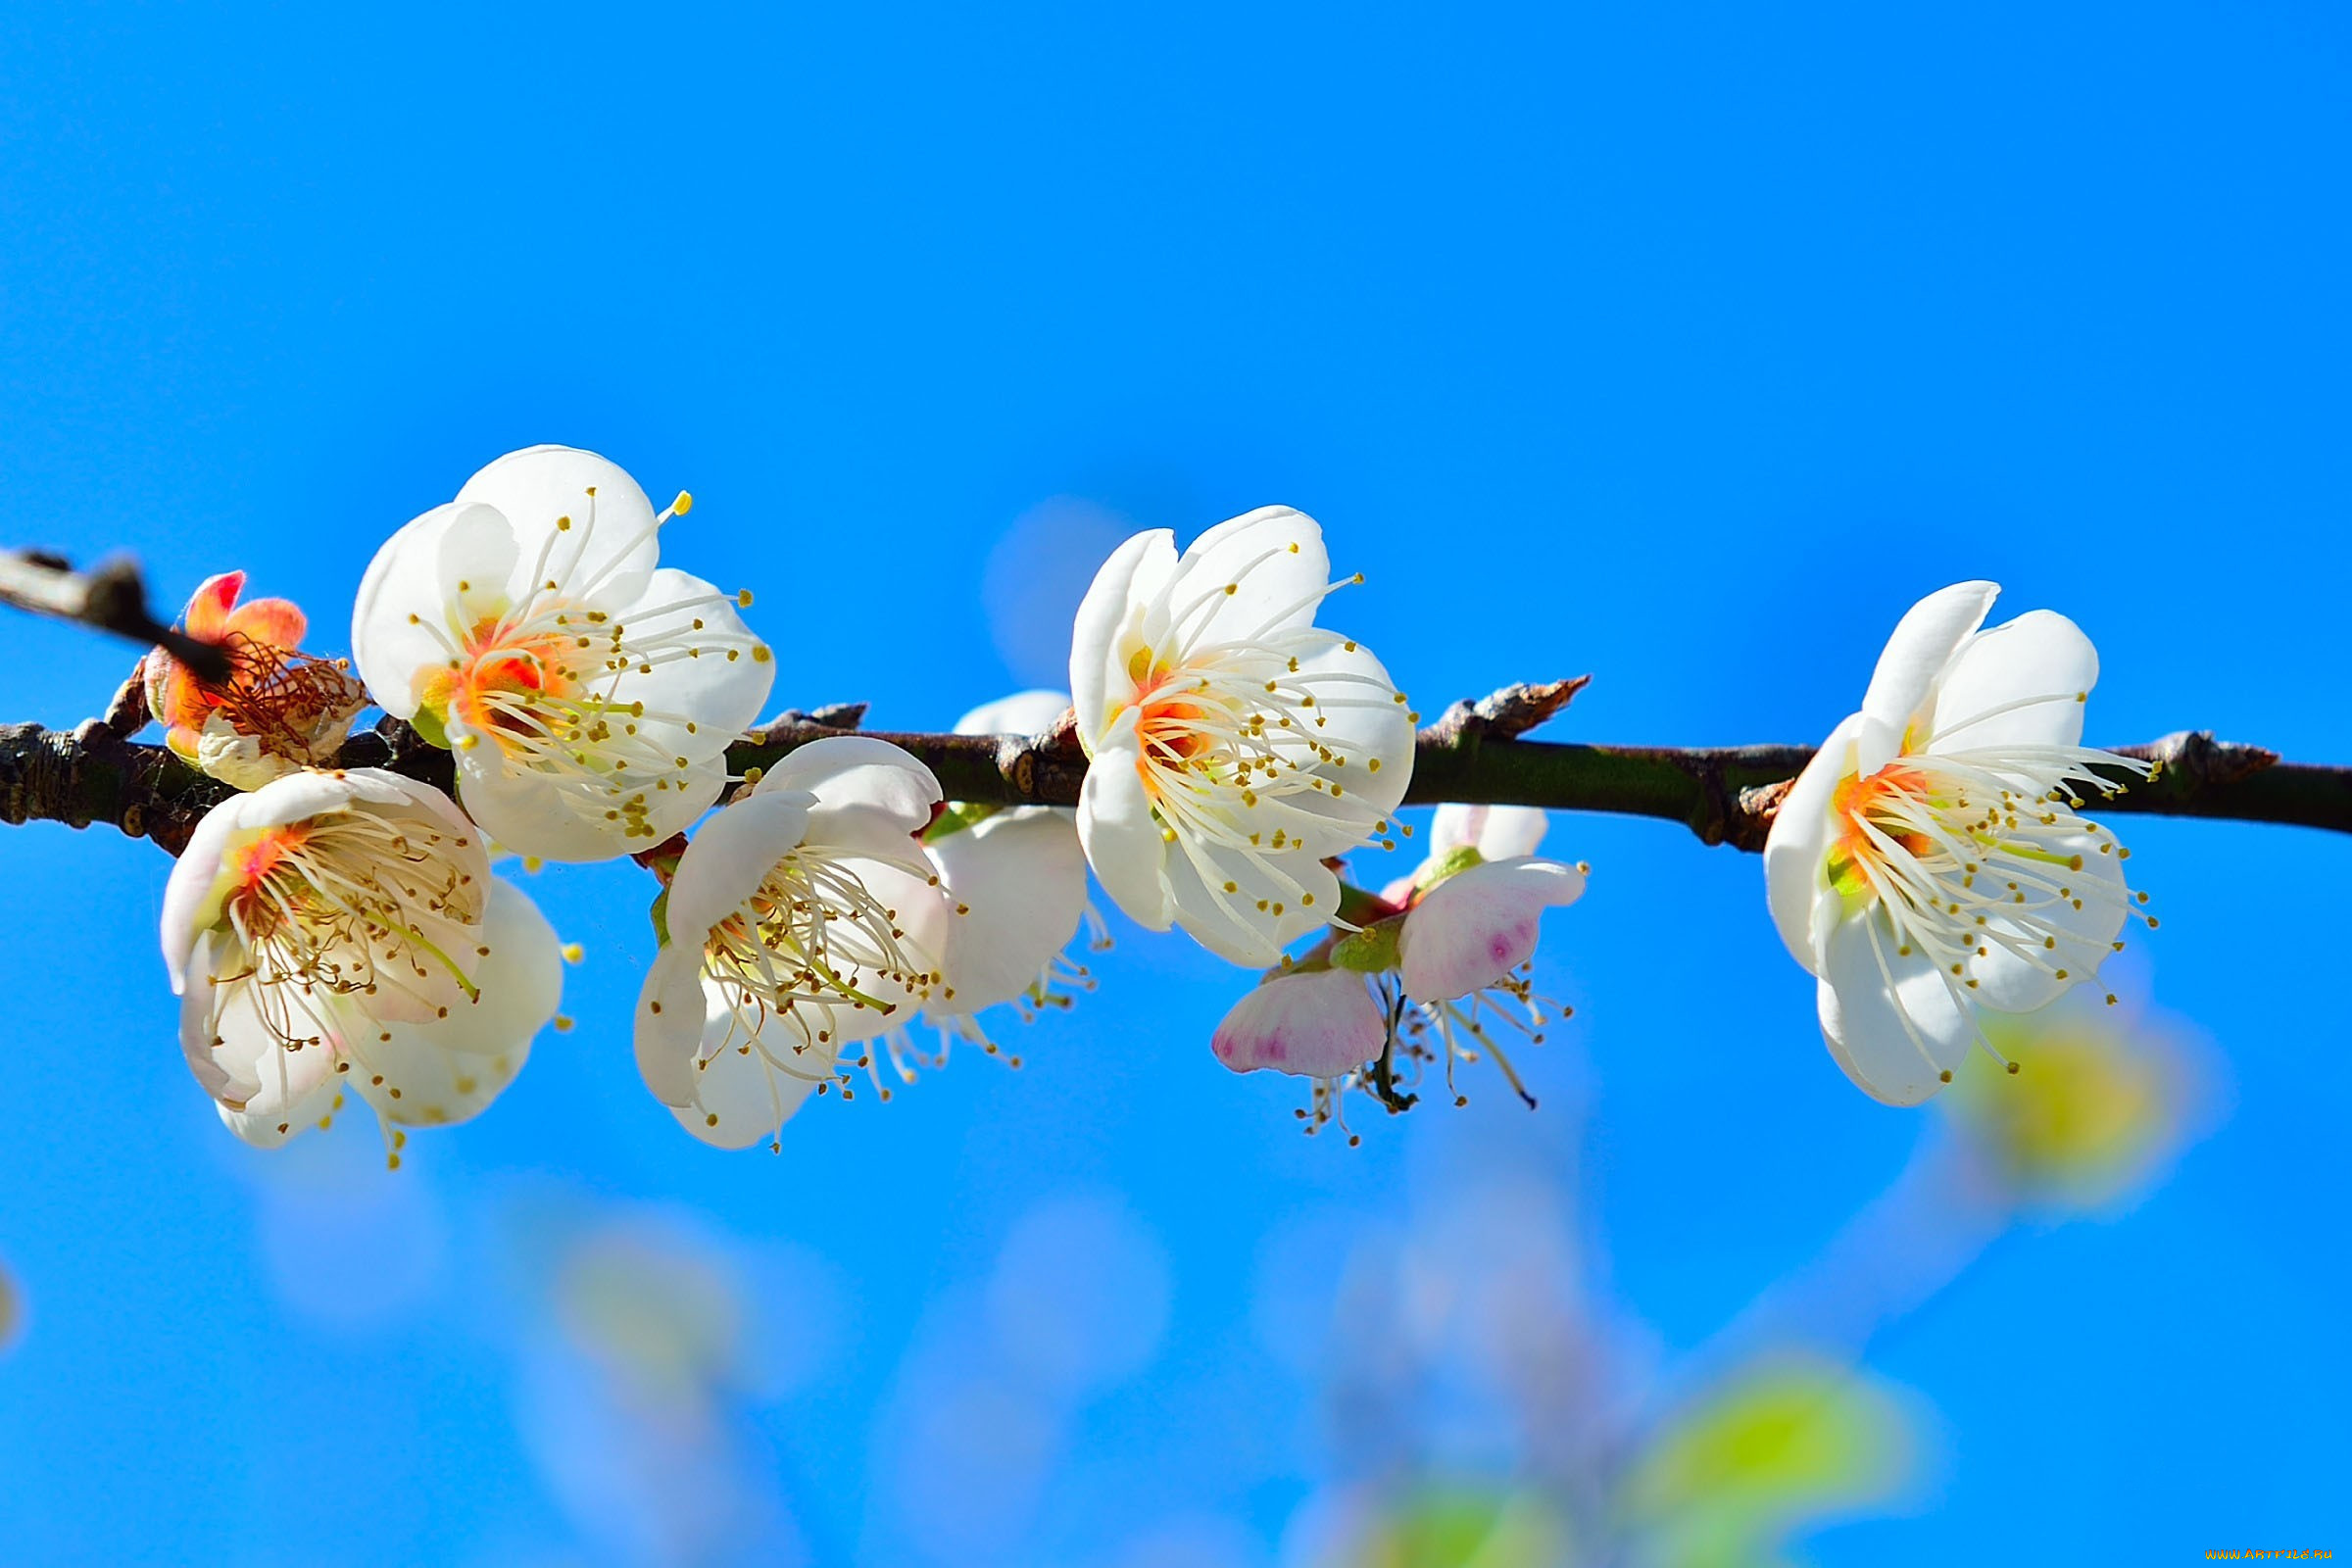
(2019, 684)
(1475, 927)
(2084, 938)
(1137, 570)
(1796, 850)
(208, 610)
(859, 771)
(1020, 879)
(721, 696)
(1269, 903)
(671, 1021)
(1891, 1020)
(739, 1099)
(1121, 837)
(725, 862)
(1317, 1025)
(604, 562)
(1925, 640)
(401, 629)
(1030, 713)
(268, 623)
(1274, 560)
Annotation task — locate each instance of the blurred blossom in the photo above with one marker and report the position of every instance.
(12, 1309)
(1456, 1525)
(974, 1454)
(636, 1407)
(649, 1475)
(1079, 1300)
(1035, 578)
(2102, 1102)
(1786, 1439)
(343, 1245)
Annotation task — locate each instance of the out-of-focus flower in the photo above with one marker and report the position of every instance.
(638, 1357)
(589, 694)
(344, 927)
(1929, 863)
(1017, 877)
(801, 919)
(12, 1309)
(1233, 744)
(1429, 966)
(1781, 1441)
(281, 709)
(2102, 1101)
(1452, 1525)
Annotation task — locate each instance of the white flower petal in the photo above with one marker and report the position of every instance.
(2021, 684)
(719, 694)
(1471, 930)
(738, 1098)
(671, 1013)
(529, 813)
(268, 1124)
(1218, 895)
(1273, 559)
(728, 860)
(1318, 1025)
(1797, 846)
(2061, 936)
(1495, 832)
(606, 553)
(859, 771)
(1030, 713)
(1922, 643)
(921, 913)
(240, 1062)
(1121, 837)
(1135, 572)
(1891, 1020)
(439, 1074)
(1021, 879)
(399, 624)
(1362, 720)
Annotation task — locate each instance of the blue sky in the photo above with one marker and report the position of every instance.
(1685, 347)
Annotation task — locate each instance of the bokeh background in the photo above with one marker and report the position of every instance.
(1681, 344)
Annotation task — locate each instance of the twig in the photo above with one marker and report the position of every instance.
(1726, 795)
(111, 599)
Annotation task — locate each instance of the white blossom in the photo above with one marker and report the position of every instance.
(341, 929)
(588, 693)
(1234, 745)
(801, 918)
(1930, 863)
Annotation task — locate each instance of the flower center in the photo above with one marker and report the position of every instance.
(812, 939)
(1974, 852)
(349, 906)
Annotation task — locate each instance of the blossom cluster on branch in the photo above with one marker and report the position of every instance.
(336, 930)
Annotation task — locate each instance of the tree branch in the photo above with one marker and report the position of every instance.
(111, 599)
(1475, 753)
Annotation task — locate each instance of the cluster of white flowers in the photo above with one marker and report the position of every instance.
(334, 930)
